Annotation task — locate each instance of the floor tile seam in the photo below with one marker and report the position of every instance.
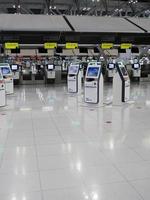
(28, 192)
(66, 190)
(141, 196)
(106, 183)
(134, 150)
(68, 168)
(128, 180)
(58, 131)
(37, 162)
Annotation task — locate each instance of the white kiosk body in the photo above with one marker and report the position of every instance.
(16, 72)
(8, 77)
(136, 70)
(74, 78)
(2, 91)
(121, 85)
(50, 72)
(111, 70)
(93, 91)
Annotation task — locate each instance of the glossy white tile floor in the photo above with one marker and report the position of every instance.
(55, 147)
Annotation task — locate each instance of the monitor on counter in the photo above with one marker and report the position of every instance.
(50, 67)
(93, 71)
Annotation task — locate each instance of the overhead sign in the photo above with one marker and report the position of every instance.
(11, 45)
(125, 45)
(70, 45)
(50, 45)
(107, 45)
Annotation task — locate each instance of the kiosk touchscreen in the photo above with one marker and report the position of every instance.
(2, 91)
(14, 67)
(121, 85)
(50, 72)
(16, 73)
(93, 91)
(74, 78)
(136, 70)
(8, 77)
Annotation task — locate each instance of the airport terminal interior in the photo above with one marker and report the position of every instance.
(74, 100)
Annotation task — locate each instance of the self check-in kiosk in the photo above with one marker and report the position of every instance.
(74, 78)
(2, 91)
(136, 71)
(121, 84)
(93, 88)
(110, 70)
(50, 72)
(8, 77)
(16, 73)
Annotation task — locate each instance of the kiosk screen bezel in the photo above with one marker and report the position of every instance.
(123, 71)
(5, 68)
(1, 76)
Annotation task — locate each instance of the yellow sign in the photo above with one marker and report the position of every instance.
(70, 45)
(50, 45)
(125, 45)
(107, 45)
(11, 45)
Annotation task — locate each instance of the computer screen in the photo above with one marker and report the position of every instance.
(5, 70)
(124, 71)
(111, 66)
(73, 69)
(50, 67)
(14, 67)
(93, 71)
(136, 66)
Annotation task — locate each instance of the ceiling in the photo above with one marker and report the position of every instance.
(140, 8)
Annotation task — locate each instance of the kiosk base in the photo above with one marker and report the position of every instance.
(2, 98)
(9, 87)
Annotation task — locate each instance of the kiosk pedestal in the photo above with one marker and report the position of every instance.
(136, 71)
(8, 77)
(2, 92)
(110, 70)
(16, 73)
(93, 91)
(121, 85)
(74, 78)
(50, 73)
